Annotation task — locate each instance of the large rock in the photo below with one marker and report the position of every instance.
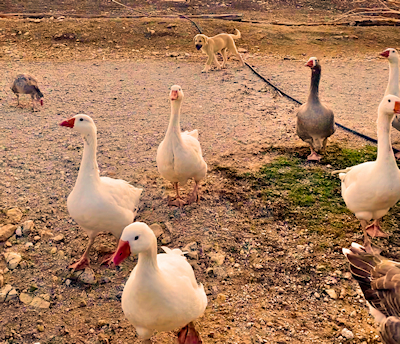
(7, 231)
(14, 215)
(12, 259)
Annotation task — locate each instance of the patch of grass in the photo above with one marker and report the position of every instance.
(345, 157)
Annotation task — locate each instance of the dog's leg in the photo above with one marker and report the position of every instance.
(216, 62)
(224, 57)
(208, 65)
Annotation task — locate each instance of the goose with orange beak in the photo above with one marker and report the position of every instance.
(372, 188)
(162, 293)
(315, 121)
(179, 155)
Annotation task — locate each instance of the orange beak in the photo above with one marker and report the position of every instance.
(174, 95)
(396, 107)
(123, 251)
(385, 53)
(310, 64)
(68, 123)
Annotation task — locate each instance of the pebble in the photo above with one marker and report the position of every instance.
(53, 250)
(58, 238)
(46, 234)
(27, 227)
(12, 259)
(317, 295)
(217, 258)
(67, 282)
(102, 322)
(157, 229)
(347, 275)
(166, 240)
(36, 238)
(18, 231)
(25, 298)
(7, 231)
(347, 334)
(40, 328)
(38, 302)
(191, 250)
(14, 215)
(221, 298)
(242, 50)
(86, 276)
(331, 293)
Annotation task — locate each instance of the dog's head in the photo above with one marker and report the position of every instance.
(200, 41)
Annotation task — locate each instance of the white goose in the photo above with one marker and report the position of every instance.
(98, 204)
(393, 83)
(379, 279)
(372, 188)
(161, 293)
(179, 155)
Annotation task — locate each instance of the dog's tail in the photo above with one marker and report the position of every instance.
(237, 36)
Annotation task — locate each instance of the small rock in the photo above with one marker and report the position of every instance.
(157, 229)
(242, 50)
(40, 328)
(18, 232)
(166, 240)
(347, 275)
(67, 282)
(217, 258)
(40, 303)
(36, 238)
(27, 227)
(170, 26)
(343, 293)
(53, 250)
(58, 238)
(317, 295)
(25, 298)
(191, 250)
(187, 54)
(172, 54)
(46, 234)
(102, 322)
(45, 297)
(4, 292)
(169, 227)
(14, 215)
(12, 259)
(11, 295)
(331, 293)
(7, 231)
(1, 281)
(87, 276)
(347, 334)
(221, 298)
(7, 244)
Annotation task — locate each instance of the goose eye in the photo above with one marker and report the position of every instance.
(389, 100)
(136, 237)
(81, 119)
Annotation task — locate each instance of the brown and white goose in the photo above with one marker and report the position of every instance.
(379, 279)
(315, 122)
(26, 84)
(98, 204)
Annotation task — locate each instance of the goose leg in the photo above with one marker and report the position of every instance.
(314, 156)
(18, 104)
(84, 261)
(189, 335)
(194, 196)
(367, 241)
(179, 202)
(374, 230)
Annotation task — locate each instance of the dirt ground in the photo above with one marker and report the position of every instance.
(271, 285)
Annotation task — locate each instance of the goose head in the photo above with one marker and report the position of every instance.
(136, 238)
(81, 123)
(389, 105)
(312, 62)
(176, 93)
(391, 54)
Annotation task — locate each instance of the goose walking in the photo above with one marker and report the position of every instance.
(379, 279)
(315, 121)
(26, 84)
(98, 204)
(179, 155)
(372, 188)
(161, 293)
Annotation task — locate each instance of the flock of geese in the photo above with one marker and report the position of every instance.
(162, 293)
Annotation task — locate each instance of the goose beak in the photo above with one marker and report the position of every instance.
(310, 64)
(68, 123)
(385, 53)
(174, 95)
(397, 107)
(123, 251)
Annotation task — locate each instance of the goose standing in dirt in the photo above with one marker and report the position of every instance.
(26, 84)
(179, 155)
(372, 188)
(315, 122)
(379, 279)
(161, 293)
(98, 204)
(393, 83)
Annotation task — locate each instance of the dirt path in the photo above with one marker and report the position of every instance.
(270, 286)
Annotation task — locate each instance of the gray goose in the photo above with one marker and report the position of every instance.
(315, 122)
(26, 84)
(379, 279)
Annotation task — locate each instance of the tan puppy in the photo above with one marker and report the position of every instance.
(217, 44)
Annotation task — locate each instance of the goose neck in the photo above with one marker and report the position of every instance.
(393, 83)
(147, 261)
(174, 122)
(314, 87)
(89, 169)
(385, 152)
